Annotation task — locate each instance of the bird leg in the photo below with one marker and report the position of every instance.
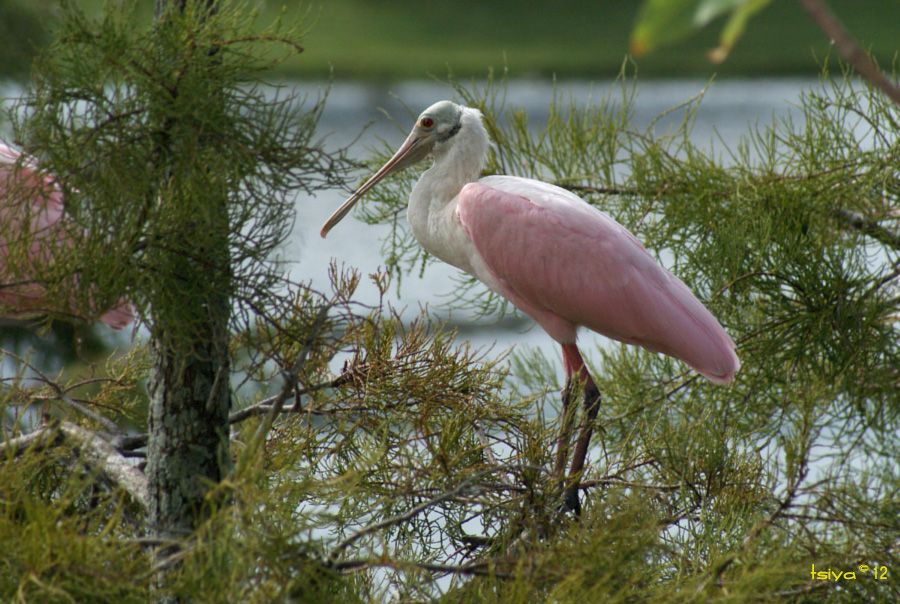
(591, 408)
(575, 367)
(565, 430)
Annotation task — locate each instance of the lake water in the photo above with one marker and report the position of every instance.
(729, 110)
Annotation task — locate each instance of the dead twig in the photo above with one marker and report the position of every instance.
(849, 49)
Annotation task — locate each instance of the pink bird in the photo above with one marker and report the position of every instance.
(555, 257)
(32, 204)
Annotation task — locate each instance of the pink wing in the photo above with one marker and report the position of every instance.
(31, 203)
(566, 264)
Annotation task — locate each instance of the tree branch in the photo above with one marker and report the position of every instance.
(291, 376)
(407, 515)
(868, 227)
(579, 188)
(95, 452)
(849, 49)
(472, 568)
(38, 440)
(61, 393)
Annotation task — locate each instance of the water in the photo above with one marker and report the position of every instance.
(729, 110)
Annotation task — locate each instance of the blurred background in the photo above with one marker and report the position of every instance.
(383, 61)
(391, 40)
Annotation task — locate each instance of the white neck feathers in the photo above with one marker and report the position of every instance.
(432, 208)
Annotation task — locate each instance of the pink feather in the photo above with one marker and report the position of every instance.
(607, 281)
(31, 203)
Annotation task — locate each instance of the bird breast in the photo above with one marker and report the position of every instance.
(436, 226)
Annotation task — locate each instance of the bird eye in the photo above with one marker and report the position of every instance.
(427, 122)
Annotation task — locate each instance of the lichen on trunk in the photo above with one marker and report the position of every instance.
(188, 430)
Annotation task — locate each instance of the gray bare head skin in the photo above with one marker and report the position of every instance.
(445, 116)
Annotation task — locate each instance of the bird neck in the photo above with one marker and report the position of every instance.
(432, 204)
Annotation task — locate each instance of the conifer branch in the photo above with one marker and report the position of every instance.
(95, 452)
(869, 227)
(407, 515)
(291, 374)
(471, 568)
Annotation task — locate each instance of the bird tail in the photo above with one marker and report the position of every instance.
(697, 337)
(726, 366)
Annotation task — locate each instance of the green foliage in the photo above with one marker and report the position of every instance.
(376, 460)
(23, 32)
(64, 537)
(401, 39)
(663, 22)
(122, 113)
(791, 239)
(391, 432)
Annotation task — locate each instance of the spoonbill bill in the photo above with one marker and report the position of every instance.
(558, 259)
(31, 205)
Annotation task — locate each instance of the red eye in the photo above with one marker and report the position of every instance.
(427, 122)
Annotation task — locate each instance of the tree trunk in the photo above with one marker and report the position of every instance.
(189, 387)
(188, 432)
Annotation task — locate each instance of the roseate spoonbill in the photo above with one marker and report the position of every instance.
(31, 203)
(555, 257)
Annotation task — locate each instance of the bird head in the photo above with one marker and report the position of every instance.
(434, 126)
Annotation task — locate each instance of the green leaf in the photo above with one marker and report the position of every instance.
(707, 10)
(734, 28)
(663, 22)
